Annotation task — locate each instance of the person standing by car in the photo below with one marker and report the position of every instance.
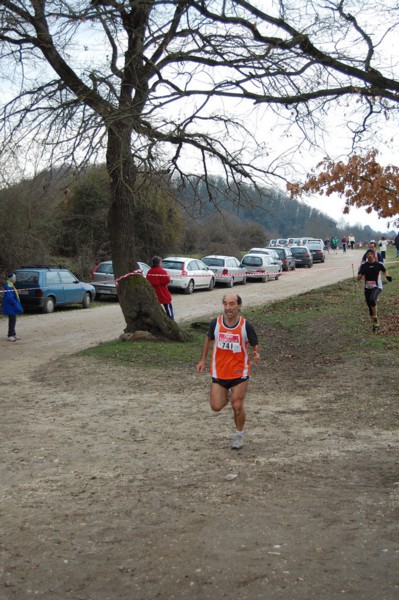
(371, 271)
(11, 307)
(230, 335)
(351, 240)
(159, 279)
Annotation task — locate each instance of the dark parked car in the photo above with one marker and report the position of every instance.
(102, 277)
(47, 287)
(303, 256)
(317, 250)
(286, 257)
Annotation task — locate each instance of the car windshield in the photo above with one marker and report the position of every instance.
(213, 262)
(254, 261)
(105, 267)
(174, 265)
(280, 252)
(27, 276)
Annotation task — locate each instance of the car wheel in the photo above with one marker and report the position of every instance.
(49, 305)
(276, 278)
(310, 266)
(230, 283)
(244, 281)
(190, 288)
(86, 300)
(212, 284)
(265, 279)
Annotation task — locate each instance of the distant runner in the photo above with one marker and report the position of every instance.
(371, 271)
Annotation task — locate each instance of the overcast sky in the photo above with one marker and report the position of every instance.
(333, 207)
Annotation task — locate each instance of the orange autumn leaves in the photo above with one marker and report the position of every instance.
(361, 181)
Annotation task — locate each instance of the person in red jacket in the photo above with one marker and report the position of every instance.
(159, 279)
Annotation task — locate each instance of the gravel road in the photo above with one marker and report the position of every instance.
(118, 482)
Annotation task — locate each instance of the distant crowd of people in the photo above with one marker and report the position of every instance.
(333, 243)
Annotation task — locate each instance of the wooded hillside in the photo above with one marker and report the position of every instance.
(60, 217)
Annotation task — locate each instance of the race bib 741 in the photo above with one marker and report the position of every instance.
(229, 341)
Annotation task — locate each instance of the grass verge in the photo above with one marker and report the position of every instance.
(331, 322)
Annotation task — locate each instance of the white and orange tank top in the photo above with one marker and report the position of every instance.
(230, 359)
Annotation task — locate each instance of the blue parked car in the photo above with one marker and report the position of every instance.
(48, 287)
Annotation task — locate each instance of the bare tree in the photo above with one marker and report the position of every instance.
(155, 84)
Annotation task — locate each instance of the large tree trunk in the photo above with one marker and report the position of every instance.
(138, 301)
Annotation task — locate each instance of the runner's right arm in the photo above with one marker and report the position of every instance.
(205, 349)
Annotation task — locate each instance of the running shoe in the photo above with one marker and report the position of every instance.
(12, 338)
(237, 441)
(376, 326)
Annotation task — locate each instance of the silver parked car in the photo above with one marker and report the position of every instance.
(102, 277)
(261, 266)
(228, 269)
(270, 251)
(188, 274)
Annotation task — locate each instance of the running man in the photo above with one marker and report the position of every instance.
(371, 271)
(230, 334)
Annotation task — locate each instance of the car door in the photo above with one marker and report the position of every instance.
(270, 265)
(236, 269)
(104, 273)
(73, 290)
(52, 286)
(202, 273)
(275, 258)
(193, 272)
(291, 259)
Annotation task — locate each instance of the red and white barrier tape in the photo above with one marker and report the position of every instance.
(179, 275)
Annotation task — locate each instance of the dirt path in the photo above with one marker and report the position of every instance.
(119, 483)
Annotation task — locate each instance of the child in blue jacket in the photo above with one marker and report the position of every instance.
(11, 307)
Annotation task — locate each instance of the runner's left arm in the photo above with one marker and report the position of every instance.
(254, 343)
